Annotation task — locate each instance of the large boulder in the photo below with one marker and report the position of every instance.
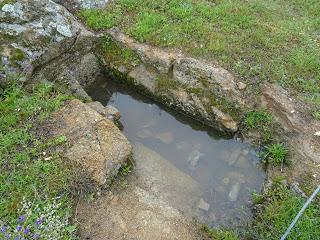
(44, 39)
(75, 5)
(95, 143)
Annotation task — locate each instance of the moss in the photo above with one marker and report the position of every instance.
(165, 83)
(4, 2)
(118, 54)
(17, 55)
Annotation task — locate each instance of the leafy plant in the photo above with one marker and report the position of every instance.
(275, 153)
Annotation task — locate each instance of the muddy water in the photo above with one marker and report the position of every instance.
(226, 170)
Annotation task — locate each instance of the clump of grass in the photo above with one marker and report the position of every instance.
(30, 168)
(258, 119)
(275, 154)
(218, 234)
(280, 207)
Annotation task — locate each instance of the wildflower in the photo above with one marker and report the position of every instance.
(17, 238)
(27, 230)
(35, 236)
(3, 229)
(19, 228)
(8, 236)
(39, 221)
(21, 218)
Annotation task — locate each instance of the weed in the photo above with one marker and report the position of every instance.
(275, 154)
(218, 234)
(258, 119)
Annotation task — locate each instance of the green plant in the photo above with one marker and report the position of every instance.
(258, 119)
(280, 207)
(30, 167)
(218, 234)
(276, 154)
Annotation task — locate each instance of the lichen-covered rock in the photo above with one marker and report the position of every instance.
(95, 143)
(74, 5)
(35, 34)
(109, 112)
(190, 86)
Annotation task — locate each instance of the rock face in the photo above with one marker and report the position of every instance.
(96, 144)
(199, 89)
(42, 38)
(74, 5)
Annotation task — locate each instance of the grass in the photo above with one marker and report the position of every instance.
(29, 167)
(276, 154)
(262, 121)
(218, 234)
(258, 40)
(280, 207)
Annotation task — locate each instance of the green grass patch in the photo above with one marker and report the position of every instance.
(218, 234)
(275, 154)
(30, 168)
(280, 207)
(259, 40)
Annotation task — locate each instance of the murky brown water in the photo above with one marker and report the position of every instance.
(227, 170)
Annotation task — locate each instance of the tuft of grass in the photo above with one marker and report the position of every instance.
(258, 119)
(258, 40)
(280, 207)
(275, 154)
(30, 168)
(218, 234)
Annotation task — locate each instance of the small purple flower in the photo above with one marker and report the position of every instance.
(19, 228)
(3, 229)
(27, 230)
(8, 236)
(17, 238)
(21, 218)
(39, 221)
(36, 236)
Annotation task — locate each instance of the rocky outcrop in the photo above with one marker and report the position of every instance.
(95, 143)
(75, 5)
(43, 40)
(199, 89)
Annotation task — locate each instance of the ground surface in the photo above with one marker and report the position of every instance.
(146, 208)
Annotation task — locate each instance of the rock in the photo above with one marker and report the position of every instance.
(177, 188)
(241, 85)
(317, 134)
(96, 144)
(193, 158)
(159, 59)
(193, 72)
(225, 119)
(109, 112)
(203, 205)
(296, 188)
(234, 192)
(144, 77)
(138, 215)
(165, 137)
(188, 75)
(75, 5)
(42, 38)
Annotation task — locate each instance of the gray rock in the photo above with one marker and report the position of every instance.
(234, 192)
(43, 39)
(75, 5)
(109, 112)
(144, 77)
(203, 205)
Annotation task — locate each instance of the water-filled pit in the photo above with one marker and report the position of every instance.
(226, 170)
